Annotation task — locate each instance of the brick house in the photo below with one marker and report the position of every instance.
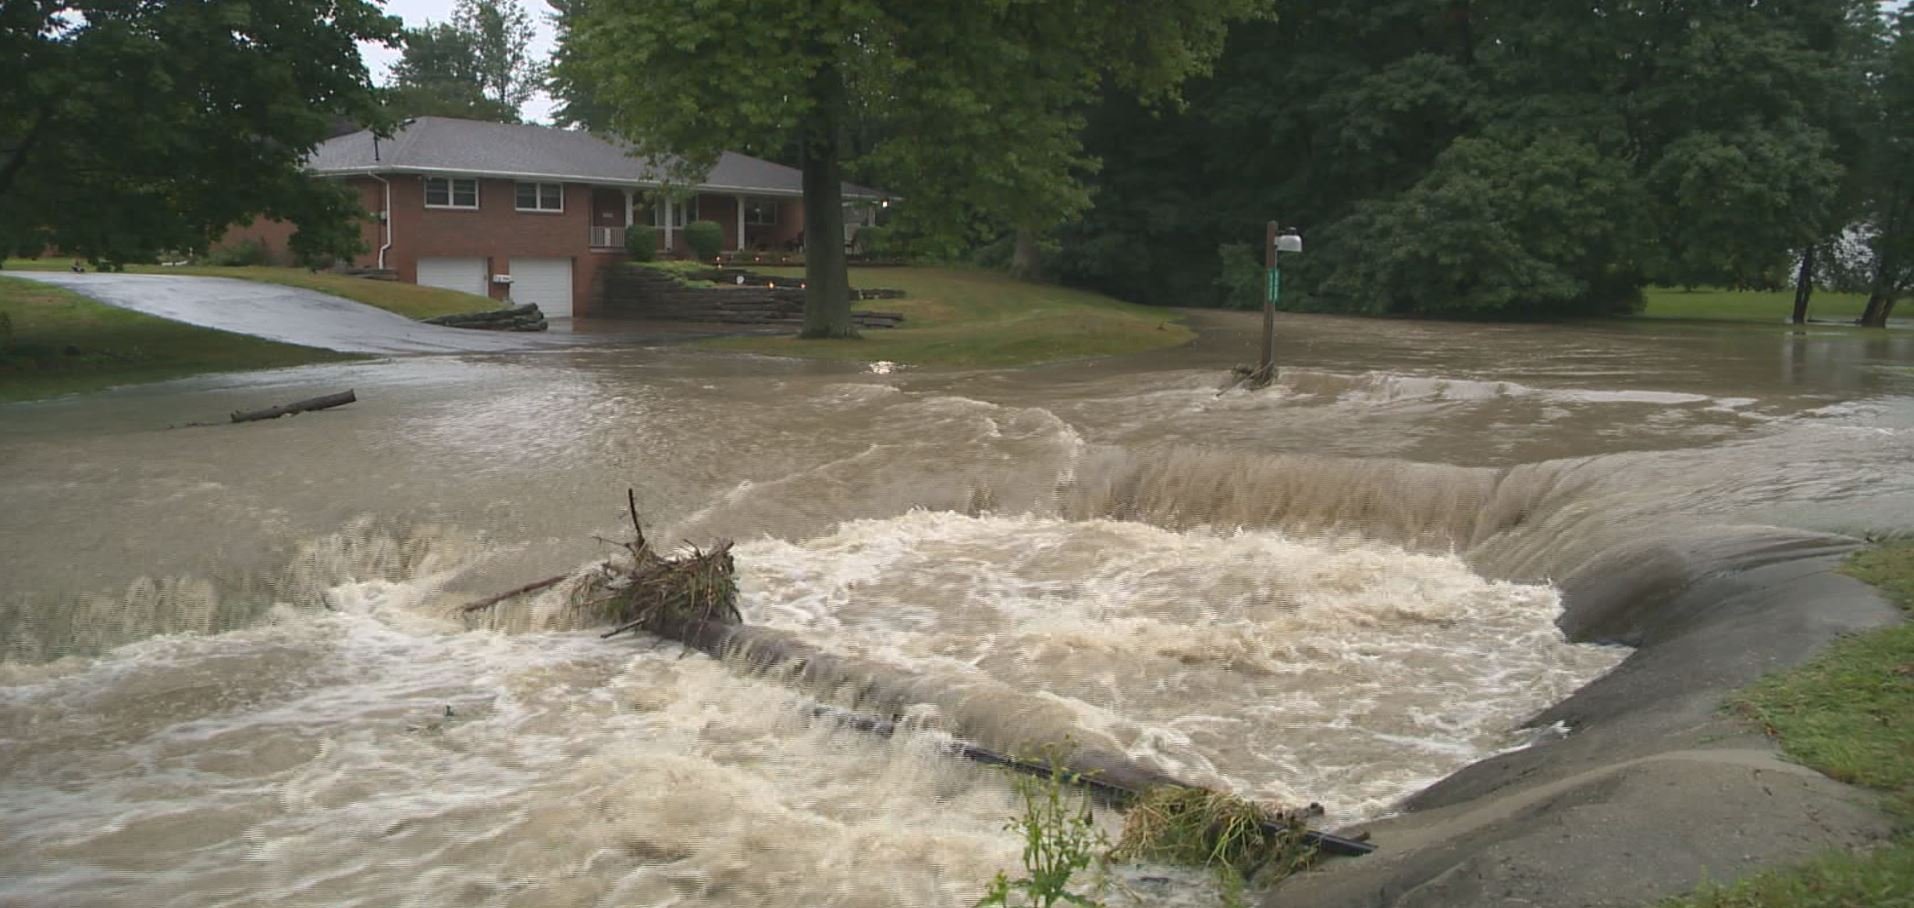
(536, 212)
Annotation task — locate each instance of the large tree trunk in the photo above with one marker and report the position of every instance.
(1880, 305)
(827, 297)
(1804, 286)
(1024, 256)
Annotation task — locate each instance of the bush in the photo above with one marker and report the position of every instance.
(1243, 280)
(233, 255)
(705, 238)
(641, 243)
(873, 240)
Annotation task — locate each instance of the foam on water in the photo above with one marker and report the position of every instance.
(1348, 673)
(375, 751)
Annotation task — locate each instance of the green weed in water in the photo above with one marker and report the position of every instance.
(1060, 839)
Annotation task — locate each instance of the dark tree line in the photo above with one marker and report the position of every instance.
(1511, 158)
(128, 130)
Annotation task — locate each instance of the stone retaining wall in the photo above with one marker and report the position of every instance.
(639, 292)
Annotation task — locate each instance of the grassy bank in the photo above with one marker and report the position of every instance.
(409, 300)
(1849, 714)
(978, 318)
(54, 342)
(1766, 307)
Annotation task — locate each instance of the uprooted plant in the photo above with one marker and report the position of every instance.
(649, 591)
(655, 592)
(1235, 838)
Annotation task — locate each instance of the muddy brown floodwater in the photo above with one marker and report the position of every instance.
(233, 672)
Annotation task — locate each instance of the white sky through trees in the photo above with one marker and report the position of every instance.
(417, 13)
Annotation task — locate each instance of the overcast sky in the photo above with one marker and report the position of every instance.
(419, 12)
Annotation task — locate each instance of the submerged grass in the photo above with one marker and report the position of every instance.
(1214, 830)
(959, 317)
(54, 341)
(1849, 714)
(1759, 306)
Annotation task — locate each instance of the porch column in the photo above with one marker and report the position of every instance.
(628, 206)
(740, 203)
(670, 217)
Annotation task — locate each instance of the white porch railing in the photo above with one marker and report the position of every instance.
(607, 237)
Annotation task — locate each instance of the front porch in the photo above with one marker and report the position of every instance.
(764, 226)
(751, 223)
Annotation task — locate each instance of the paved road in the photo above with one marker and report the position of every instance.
(287, 314)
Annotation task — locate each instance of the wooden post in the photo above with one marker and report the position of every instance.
(1265, 372)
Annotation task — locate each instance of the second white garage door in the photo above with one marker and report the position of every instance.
(547, 282)
(464, 275)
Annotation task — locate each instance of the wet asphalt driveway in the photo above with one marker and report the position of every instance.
(289, 314)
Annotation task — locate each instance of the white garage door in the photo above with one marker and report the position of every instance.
(547, 282)
(467, 275)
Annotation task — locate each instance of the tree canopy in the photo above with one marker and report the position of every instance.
(966, 109)
(1487, 158)
(131, 129)
(479, 66)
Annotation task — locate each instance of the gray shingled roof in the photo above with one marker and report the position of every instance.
(446, 145)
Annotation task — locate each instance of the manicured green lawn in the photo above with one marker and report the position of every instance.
(54, 341)
(1849, 714)
(1749, 306)
(409, 300)
(959, 317)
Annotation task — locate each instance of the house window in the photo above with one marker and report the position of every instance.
(541, 197)
(680, 214)
(451, 192)
(761, 212)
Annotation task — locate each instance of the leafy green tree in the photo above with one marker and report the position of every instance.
(1725, 127)
(577, 101)
(501, 36)
(970, 109)
(437, 76)
(131, 129)
(477, 67)
(1499, 228)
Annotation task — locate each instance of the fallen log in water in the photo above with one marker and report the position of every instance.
(316, 403)
(1109, 792)
(692, 599)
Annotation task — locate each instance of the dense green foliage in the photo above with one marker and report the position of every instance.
(478, 66)
(131, 129)
(1487, 158)
(705, 238)
(969, 110)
